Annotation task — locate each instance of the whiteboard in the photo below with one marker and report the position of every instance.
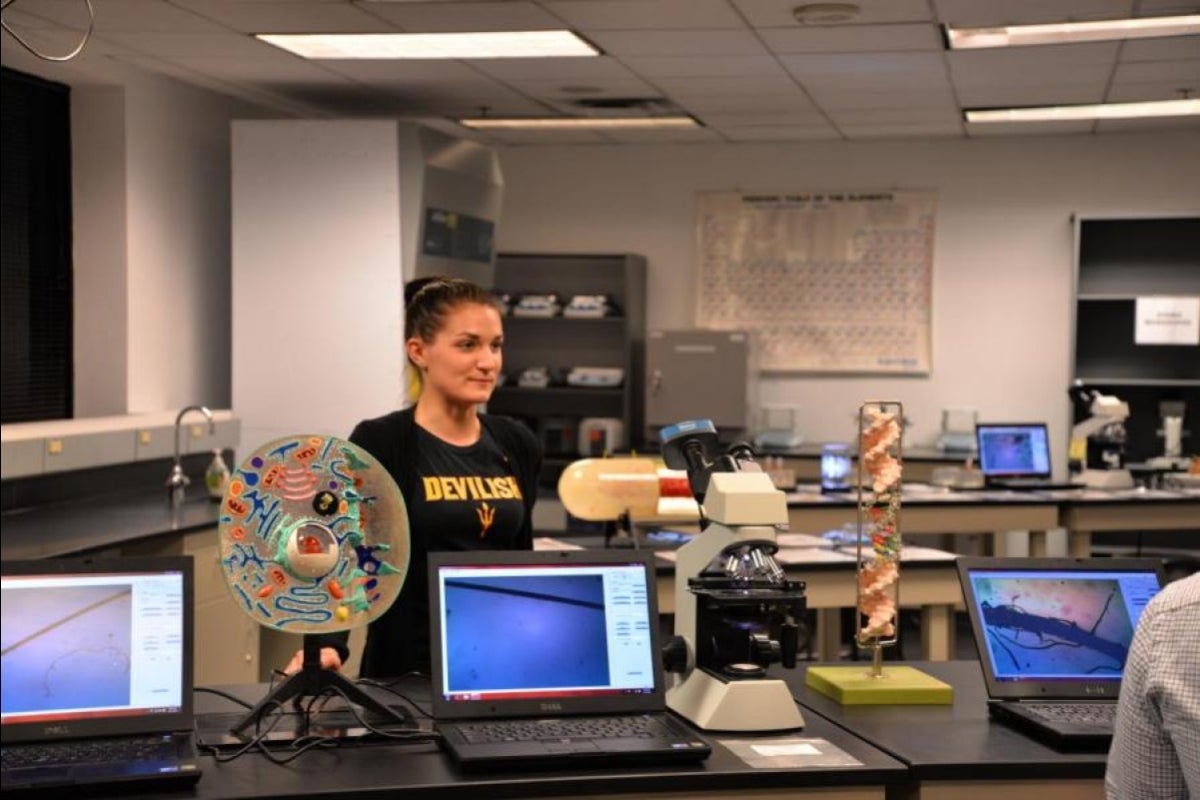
(827, 282)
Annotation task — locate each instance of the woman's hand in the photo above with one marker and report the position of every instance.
(329, 660)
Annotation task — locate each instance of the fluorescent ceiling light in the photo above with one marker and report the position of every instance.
(1066, 32)
(490, 44)
(578, 123)
(1157, 108)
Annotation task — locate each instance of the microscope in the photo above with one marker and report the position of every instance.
(739, 613)
(1103, 432)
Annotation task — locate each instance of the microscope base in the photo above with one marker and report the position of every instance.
(1106, 478)
(712, 704)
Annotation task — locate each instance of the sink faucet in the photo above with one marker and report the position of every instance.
(177, 483)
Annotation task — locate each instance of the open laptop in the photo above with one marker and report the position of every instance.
(97, 665)
(1053, 635)
(551, 658)
(1016, 455)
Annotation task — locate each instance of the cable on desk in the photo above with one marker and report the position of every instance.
(226, 695)
(389, 686)
(302, 744)
(411, 736)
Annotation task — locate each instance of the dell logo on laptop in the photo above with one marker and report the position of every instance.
(551, 706)
(56, 730)
(1095, 689)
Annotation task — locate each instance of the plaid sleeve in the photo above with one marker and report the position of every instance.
(1156, 747)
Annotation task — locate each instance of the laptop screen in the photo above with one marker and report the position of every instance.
(95, 646)
(1013, 450)
(1056, 627)
(563, 631)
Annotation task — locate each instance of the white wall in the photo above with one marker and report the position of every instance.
(1003, 262)
(318, 297)
(151, 219)
(99, 251)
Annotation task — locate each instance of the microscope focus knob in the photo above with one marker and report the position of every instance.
(675, 655)
(766, 650)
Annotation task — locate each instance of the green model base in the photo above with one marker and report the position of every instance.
(854, 686)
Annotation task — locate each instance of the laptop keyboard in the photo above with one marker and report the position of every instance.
(125, 749)
(492, 732)
(1080, 713)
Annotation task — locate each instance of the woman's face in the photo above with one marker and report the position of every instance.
(464, 358)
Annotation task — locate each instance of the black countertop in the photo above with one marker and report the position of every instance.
(95, 523)
(958, 742)
(422, 771)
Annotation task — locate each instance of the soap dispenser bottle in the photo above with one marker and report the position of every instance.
(216, 477)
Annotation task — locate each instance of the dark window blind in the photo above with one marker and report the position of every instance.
(35, 250)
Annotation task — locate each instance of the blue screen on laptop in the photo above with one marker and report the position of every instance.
(1043, 625)
(532, 631)
(1012, 450)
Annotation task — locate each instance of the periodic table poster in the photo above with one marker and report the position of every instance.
(828, 282)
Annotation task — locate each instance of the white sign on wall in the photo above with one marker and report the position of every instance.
(1167, 320)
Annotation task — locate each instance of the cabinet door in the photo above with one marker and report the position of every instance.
(696, 375)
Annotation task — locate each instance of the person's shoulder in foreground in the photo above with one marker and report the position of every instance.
(1156, 745)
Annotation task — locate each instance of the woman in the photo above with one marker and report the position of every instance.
(453, 338)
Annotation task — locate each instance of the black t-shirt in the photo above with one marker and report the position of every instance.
(466, 498)
(398, 641)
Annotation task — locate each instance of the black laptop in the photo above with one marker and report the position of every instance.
(551, 659)
(1016, 455)
(97, 666)
(1053, 635)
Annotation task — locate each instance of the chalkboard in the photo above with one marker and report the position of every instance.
(828, 282)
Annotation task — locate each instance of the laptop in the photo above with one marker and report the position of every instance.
(1016, 455)
(1053, 635)
(551, 659)
(97, 665)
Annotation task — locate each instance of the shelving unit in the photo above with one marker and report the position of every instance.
(1119, 260)
(561, 343)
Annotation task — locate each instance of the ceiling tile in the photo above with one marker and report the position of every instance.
(895, 116)
(251, 94)
(985, 13)
(1018, 129)
(569, 92)
(778, 13)
(1033, 94)
(1172, 49)
(513, 15)
(784, 118)
(297, 16)
(853, 38)
(568, 69)
(546, 137)
(122, 15)
(1155, 71)
(921, 72)
(1167, 123)
(707, 87)
(599, 15)
(901, 130)
(939, 97)
(679, 43)
(680, 136)
(655, 67)
(213, 47)
(1078, 64)
(1129, 92)
(744, 103)
(780, 133)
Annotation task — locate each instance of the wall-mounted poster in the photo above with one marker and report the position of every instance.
(829, 282)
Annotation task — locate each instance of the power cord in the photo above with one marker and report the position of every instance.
(275, 712)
